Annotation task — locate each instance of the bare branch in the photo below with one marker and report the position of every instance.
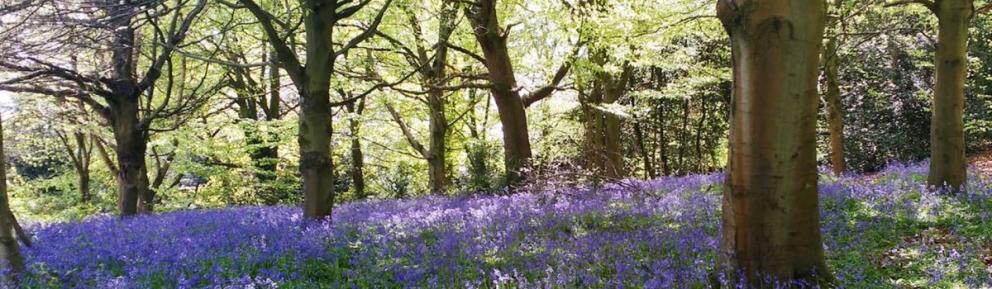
(406, 131)
(365, 34)
(287, 58)
(466, 52)
(155, 69)
(926, 3)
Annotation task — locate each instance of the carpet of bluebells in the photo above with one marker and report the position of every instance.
(880, 231)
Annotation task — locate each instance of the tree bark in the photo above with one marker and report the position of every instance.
(699, 134)
(947, 155)
(10, 251)
(357, 157)
(437, 162)
(516, 137)
(84, 154)
(602, 129)
(835, 109)
(666, 167)
(312, 81)
(315, 116)
(642, 148)
(131, 148)
(684, 136)
(130, 136)
(770, 213)
(435, 78)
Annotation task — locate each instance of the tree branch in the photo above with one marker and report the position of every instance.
(926, 3)
(154, 70)
(406, 131)
(466, 52)
(365, 34)
(287, 58)
(984, 9)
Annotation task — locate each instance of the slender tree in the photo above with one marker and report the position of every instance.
(312, 81)
(832, 98)
(357, 156)
(430, 60)
(79, 147)
(771, 221)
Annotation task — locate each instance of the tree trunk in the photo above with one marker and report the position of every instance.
(770, 213)
(666, 167)
(642, 148)
(84, 186)
(83, 157)
(10, 251)
(435, 78)
(594, 146)
(602, 129)
(699, 134)
(132, 182)
(357, 157)
(947, 155)
(834, 107)
(314, 136)
(437, 163)
(516, 137)
(131, 138)
(684, 136)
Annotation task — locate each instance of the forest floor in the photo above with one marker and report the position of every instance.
(982, 161)
(884, 232)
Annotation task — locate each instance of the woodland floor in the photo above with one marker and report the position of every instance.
(886, 231)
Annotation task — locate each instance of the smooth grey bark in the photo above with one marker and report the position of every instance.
(947, 148)
(771, 220)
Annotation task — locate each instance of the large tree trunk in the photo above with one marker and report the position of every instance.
(315, 117)
(131, 147)
(835, 119)
(947, 159)
(10, 251)
(312, 82)
(770, 213)
(516, 137)
(131, 138)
